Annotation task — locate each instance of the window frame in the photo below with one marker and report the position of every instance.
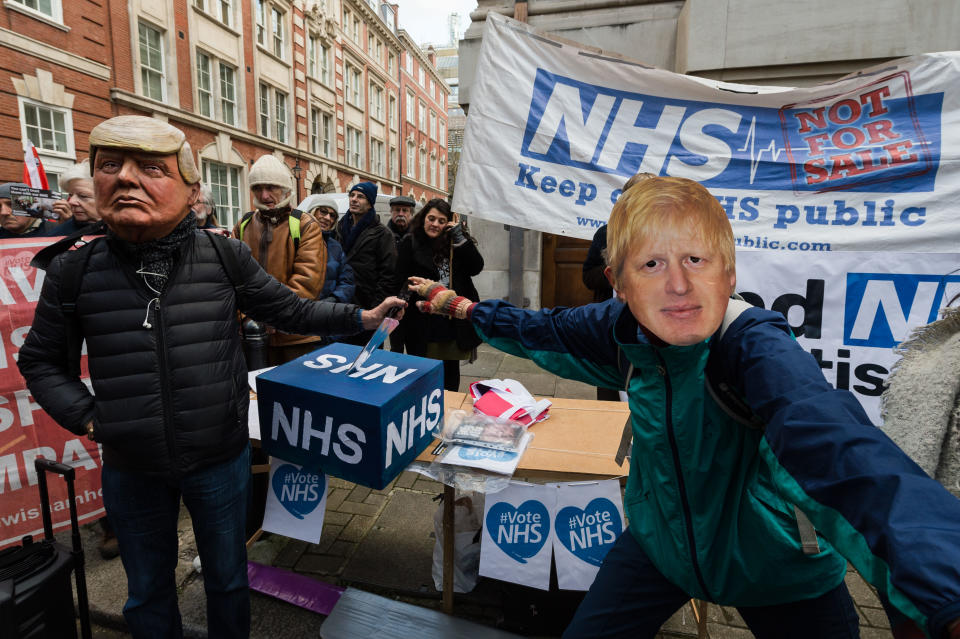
(70, 152)
(230, 213)
(278, 32)
(162, 71)
(55, 15)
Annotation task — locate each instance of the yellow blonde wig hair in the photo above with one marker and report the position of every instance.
(659, 203)
(148, 135)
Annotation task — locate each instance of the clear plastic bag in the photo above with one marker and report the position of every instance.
(477, 429)
(468, 515)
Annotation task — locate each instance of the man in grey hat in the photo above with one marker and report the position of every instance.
(157, 306)
(401, 210)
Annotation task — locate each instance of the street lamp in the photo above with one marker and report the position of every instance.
(296, 175)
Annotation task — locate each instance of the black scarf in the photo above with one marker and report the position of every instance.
(156, 257)
(349, 232)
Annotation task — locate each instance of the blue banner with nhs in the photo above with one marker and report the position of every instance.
(365, 427)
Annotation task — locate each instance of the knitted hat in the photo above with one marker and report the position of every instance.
(5, 188)
(315, 201)
(148, 135)
(269, 170)
(369, 190)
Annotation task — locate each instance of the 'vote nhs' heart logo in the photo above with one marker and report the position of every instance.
(299, 491)
(589, 533)
(519, 532)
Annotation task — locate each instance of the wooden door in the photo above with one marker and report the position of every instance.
(561, 281)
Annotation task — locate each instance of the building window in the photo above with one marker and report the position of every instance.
(223, 105)
(376, 157)
(422, 175)
(228, 94)
(47, 128)
(433, 88)
(278, 39)
(219, 9)
(315, 131)
(224, 182)
(49, 8)
(356, 30)
(393, 163)
(423, 117)
(280, 116)
(204, 86)
(433, 171)
(354, 148)
(433, 125)
(264, 110)
(376, 102)
(411, 108)
(354, 92)
(326, 130)
(325, 65)
(420, 74)
(379, 53)
(410, 161)
(312, 55)
(392, 113)
(151, 61)
(443, 135)
(391, 63)
(261, 22)
(408, 62)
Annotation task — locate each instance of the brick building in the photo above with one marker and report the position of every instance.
(318, 83)
(424, 128)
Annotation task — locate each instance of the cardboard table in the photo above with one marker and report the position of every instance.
(578, 442)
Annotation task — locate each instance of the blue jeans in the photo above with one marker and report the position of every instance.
(144, 512)
(631, 599)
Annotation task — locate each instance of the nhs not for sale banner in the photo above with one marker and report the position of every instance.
(843, 197)
(868, 162)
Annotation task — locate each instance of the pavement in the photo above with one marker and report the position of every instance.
(382, 541)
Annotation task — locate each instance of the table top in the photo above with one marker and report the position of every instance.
(578, 441)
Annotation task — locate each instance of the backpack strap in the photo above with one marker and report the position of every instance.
(243, 224)
(228, 259)
(293, 224)
(71, 278)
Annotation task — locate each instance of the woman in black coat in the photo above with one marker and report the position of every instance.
(438, 248)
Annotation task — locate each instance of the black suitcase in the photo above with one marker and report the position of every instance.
(36, 597)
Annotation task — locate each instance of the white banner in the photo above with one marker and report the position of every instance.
(863, 163)
(516, 546)
(296, 501)
(587, 522)
(850, 309)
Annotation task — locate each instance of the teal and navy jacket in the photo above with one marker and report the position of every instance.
(711, 500)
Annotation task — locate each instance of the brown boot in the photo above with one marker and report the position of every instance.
(109, 548)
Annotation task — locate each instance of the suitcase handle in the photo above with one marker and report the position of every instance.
(43, 466)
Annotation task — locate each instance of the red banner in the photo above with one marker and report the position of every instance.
(26, 431)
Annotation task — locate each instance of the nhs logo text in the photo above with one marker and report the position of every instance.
(881, 309)
(878, 141)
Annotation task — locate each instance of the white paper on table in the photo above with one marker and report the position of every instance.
(497, 461)
(516, 535)
(587, 521)
(253, 419)
(252, 376)
(296, 501)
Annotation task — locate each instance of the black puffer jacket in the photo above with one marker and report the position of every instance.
(172, 398)
(373, 258)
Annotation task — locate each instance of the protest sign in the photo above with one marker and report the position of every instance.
(516, 532)
(296, 501)
(863, 163)
(364, 426)
(588, 521)
(26, 432)
(835, 192)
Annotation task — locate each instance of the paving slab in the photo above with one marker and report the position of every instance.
(397, 553)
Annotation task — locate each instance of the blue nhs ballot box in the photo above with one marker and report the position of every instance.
(365, 427)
